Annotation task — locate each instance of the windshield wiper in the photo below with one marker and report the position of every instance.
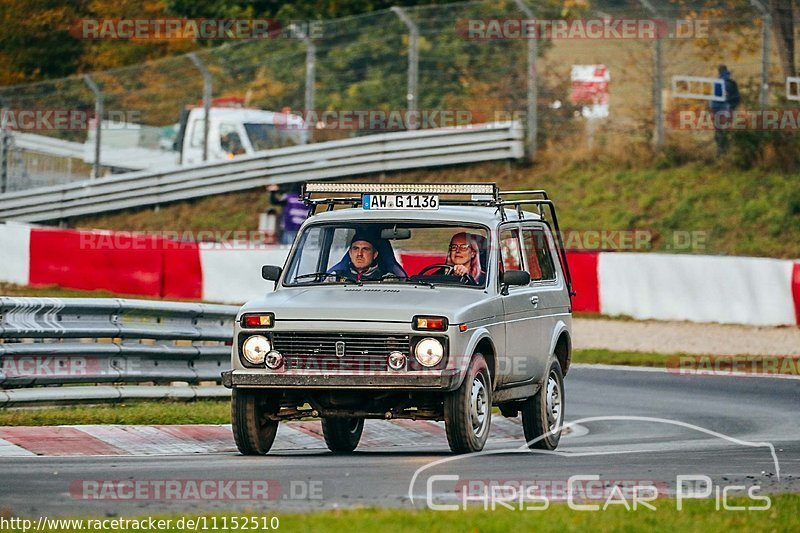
(408, 279)
(321, 275)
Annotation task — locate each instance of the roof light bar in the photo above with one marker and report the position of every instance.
(403, 188)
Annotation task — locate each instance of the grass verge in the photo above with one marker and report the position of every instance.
(696, 515)
(134, 413)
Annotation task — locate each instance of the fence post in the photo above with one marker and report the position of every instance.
(766, 22)
(98, 119)
(4, 138)
(206, 99)
(658, 102)
(311, 68)
(413, 62)
(533, 88)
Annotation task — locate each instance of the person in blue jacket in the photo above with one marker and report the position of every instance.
(722, 110)
(362, 263)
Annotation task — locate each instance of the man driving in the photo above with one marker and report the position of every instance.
(363, 260)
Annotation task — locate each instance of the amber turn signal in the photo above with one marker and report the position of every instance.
(430, 323)
(258, 321)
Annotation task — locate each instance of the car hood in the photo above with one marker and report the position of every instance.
(372, 303)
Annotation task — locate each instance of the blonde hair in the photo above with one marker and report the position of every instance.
(474, 269)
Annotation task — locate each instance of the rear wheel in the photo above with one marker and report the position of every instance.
(468, 409)
(253, 430)
(543, 414)
(342, 434)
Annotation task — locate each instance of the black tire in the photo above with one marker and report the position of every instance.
(342, 434)
(468, 409)
(253, 432)
(540, 416)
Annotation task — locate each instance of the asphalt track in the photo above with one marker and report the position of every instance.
(715, 426)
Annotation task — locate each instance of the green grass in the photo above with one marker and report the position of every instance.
(613, 357)
(697, 515)
(134, 413)
(732, 211)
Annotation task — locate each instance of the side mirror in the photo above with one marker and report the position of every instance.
(271, 273)
(513, 277)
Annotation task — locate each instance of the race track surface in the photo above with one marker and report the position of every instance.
(633, 427)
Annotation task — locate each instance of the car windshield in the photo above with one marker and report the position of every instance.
(398, 253)
(267, 136)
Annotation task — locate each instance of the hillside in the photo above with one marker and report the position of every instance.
(752, 212)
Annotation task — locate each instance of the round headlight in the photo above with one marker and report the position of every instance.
(397, 361)
(255, 349)
(274, 360)
(429, 352)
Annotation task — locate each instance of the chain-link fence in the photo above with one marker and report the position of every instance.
(428, 66)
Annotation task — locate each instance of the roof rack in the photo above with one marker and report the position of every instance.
(481, 195)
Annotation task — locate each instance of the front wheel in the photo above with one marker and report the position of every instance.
(253, 429)
(543, 414)
(468, 409)
(342, 434)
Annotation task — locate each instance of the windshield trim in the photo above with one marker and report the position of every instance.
(444, 223)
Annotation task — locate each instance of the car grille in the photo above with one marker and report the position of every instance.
(317, 351)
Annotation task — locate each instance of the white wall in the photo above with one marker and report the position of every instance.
(15, 253)
(232, 272)
(740, 290)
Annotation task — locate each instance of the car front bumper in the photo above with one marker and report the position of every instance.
(444, 380)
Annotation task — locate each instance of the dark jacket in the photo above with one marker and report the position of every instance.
(373, 273)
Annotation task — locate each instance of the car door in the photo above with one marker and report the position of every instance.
(523, 332)
(546, 290)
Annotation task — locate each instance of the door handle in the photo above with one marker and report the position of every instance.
(535, 301)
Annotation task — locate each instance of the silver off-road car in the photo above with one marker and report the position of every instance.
(415, 301)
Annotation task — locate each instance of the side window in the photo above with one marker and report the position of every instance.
(198, 130)
(537, 251)
(510, 250)
(229, 139)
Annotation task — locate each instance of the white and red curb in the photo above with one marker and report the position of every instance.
(112, 440)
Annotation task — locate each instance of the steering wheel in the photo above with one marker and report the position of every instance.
(466, 279)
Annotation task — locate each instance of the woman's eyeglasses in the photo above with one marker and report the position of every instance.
(459, 247)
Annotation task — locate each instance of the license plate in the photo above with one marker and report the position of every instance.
(400, 201)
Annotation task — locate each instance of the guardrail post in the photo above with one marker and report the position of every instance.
(413, 61)
(533, 88)
(766, 22)
(206, 98)
(658, 103)
(4, 138)
(98, 118)
(311, 75)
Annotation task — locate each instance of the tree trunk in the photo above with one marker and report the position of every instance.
(782, 13)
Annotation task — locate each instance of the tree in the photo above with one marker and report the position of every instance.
(782, 13)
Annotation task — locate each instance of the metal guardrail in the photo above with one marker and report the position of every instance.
(48, 145)
(111, 342)
(362, 155)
